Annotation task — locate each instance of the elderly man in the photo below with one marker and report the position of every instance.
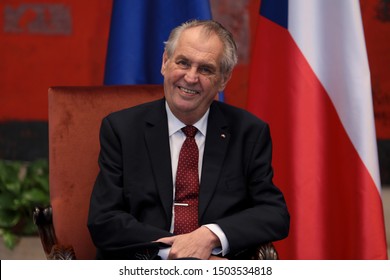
(187, 172)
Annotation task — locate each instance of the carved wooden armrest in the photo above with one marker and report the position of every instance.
(266, 251)
(54, 251)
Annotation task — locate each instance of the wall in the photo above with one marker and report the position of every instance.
(63, 42)
(45, 43)
(376, 20)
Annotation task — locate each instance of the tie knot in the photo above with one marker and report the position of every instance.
(189, 130)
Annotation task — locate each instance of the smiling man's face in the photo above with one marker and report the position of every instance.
(192, 75)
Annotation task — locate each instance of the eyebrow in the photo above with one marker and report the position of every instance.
(202, 64)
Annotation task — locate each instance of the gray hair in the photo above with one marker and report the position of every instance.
(229, 57)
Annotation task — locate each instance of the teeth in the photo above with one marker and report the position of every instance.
(188, 90)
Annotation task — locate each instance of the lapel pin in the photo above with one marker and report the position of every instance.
(223, 135)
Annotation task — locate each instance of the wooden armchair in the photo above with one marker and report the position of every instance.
(75, 115)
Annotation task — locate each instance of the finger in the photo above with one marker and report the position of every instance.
(166, 240)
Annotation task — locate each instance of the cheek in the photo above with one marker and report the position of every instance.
(172, 74)
(213, 84)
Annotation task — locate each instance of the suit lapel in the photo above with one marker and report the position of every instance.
(157, 142)
(217, 141)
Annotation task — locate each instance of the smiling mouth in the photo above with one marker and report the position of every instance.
(189, 91)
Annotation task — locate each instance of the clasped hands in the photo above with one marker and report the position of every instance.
(197, 244)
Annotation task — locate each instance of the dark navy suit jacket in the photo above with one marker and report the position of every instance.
(131, 202)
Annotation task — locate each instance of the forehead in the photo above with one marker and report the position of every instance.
(197, 41)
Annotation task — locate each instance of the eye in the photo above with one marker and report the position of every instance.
(205, 70)
(183, 63)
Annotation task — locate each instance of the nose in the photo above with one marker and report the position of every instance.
(191, 75)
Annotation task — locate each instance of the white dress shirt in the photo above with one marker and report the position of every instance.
(176, 139)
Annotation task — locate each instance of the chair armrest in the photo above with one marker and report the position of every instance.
(266, 251)
(54, 251)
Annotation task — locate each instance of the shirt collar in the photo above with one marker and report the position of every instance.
(174, 124)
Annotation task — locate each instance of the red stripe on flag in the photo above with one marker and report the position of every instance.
(336, 210)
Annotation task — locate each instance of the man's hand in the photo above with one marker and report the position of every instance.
(216, 258)
(196, 244)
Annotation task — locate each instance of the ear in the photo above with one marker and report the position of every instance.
(164, 62)
(225, 80)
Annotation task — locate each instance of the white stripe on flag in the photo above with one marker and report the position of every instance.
(334, 45)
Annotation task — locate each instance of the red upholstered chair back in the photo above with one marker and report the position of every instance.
(75, 115)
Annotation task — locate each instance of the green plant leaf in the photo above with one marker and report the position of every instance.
(10, 239)
(9, 172)
(29, 228)
(23, 185)
(13, 187)
(7, 201)
(8, 218)
(34, 196)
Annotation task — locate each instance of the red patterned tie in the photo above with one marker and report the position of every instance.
(187, 184)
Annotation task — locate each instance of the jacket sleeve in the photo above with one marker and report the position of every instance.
(266, 218)
(110, 223)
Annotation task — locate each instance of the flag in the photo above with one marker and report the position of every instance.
(138, 31)
(310, 81)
